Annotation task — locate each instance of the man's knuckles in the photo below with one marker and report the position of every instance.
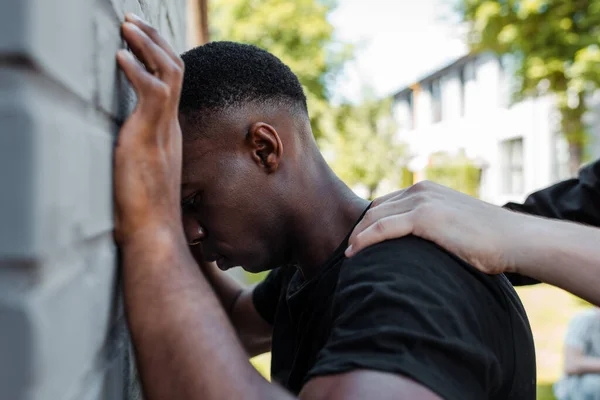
(421, 187)
(160, 93)
(175, 73)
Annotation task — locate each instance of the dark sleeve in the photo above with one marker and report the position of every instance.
(576, 200)
(265, 295)
(403, 306)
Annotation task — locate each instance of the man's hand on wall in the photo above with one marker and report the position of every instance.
(147, 164)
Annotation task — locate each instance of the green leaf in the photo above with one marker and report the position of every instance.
(554, 41)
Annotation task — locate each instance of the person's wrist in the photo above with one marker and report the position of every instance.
(520, 240)
(534, 245)
(161, 238)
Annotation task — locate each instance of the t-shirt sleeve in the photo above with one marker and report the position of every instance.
(574, 200)
(266, 294)
(576, 332)
(404, 306)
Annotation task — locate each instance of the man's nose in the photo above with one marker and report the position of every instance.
(194, 233)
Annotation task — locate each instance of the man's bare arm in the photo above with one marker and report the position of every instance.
(236, 299)
(364, 384)
(563, 254)
(253, 331)
(185, 345)
(576, 363)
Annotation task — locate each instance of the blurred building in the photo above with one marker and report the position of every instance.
(465, 108)
(197, 22)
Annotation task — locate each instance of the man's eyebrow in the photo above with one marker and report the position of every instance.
(187, 200)
(187, 185)
(183, 194)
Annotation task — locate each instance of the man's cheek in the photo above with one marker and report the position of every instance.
(197, 253)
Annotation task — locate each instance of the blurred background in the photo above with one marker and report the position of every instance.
(495, 98)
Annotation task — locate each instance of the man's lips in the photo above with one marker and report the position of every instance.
(223, 263)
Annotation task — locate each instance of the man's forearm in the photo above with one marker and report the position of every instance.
(583, 365)
(227, 289)
(563, 254)
(253, 332)
(185, 345)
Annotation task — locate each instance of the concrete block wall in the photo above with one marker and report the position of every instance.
(62, 100)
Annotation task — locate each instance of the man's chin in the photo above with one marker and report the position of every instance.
(224, 263)
(254, 268)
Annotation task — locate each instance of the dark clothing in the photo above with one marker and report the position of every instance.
(576, 200)
(404, 306)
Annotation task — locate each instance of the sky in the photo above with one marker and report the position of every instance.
(397, 41)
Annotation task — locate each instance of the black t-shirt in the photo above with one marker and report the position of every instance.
(576, 200)
(404, 306)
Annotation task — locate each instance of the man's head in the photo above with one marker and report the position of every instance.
(245, 125)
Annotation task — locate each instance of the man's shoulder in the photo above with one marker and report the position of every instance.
(418, 265)
(401, 253)
(416, 310)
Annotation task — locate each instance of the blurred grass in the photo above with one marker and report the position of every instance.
(263, 364)
(549, 310)
(251, 279)
(544, 392)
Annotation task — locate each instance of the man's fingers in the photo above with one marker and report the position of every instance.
(389, 196)
(134, 71)
(151, 92)
(155, 36)
(394, 206)
(394, 226)
(157, 62)
(385, 200)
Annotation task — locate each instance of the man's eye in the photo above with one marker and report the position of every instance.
(190, 203)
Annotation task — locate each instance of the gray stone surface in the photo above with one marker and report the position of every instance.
(55, 36)
(62, 99)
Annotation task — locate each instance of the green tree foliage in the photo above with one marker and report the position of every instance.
(363, 149)
(457, 172)
(297, 32)
(556, 47)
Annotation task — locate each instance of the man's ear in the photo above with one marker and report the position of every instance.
(266, 146)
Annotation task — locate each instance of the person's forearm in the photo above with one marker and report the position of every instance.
(583, 365)
(227, 289)
(185, 345)
(253, 332)
(563, 254)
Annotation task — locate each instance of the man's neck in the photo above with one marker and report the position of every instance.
(327, 213)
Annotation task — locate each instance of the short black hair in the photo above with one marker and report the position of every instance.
(220, 75)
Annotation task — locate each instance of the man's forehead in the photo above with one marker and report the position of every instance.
(203, 122)
(196, 159)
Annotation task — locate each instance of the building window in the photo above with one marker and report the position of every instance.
(561, 158)
(411, 110)
(404, 112)
(513, 166)
(436, 100)
(462, 97)
(471, 98)
(508, 69)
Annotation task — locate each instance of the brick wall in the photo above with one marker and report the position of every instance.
(62, 332)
